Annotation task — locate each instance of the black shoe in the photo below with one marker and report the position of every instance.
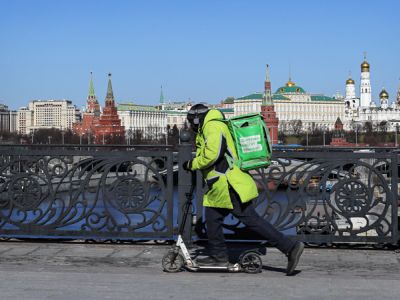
(213, 260)
(294, 257)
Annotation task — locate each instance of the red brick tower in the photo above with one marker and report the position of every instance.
(338, 138)
(90, 116)
(267, 110)
(109, 129)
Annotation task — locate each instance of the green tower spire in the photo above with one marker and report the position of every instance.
(110, 94)
(91, 94)
(161, 97)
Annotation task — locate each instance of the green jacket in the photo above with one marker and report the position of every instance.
(212, 142)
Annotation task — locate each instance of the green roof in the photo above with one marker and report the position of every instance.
(279, 97)
(290, 90)
(322, 98)
(280, 94)
(259, 96)
(131, 106)
(175, 112)
(229, 100)
(226, 109)
(251, 96)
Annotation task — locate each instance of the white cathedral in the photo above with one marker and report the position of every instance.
(360, 110)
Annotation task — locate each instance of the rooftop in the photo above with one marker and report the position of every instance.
(132, 106)
(293, 89)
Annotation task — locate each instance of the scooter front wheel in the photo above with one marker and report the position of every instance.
(251, 262)
(172, 262)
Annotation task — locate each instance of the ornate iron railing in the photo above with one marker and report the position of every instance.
(110, 192)
(85, 193)
(326, 197)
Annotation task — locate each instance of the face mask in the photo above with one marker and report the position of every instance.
(195, 118)
(194, 124)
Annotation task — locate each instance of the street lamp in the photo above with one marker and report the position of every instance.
(272, 134)
(307, 136)
(89, 131)
(62, 135)
(32, 134)
(356, 131)
(129, 135)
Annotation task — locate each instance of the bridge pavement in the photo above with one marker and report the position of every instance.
(40, 270)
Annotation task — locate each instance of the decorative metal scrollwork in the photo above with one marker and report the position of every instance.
(25, 192)
(123, 195)
(129, 194)
(352, 197)
(321, 197)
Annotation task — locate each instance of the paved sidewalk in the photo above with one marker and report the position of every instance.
(133, 271)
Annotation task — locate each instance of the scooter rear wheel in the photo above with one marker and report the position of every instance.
(250, 262)
(172, 262)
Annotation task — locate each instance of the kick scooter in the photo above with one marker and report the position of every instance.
(178, 258)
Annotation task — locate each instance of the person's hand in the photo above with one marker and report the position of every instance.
(187, 165)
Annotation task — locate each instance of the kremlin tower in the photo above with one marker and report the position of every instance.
(109, 129)
(338, 139)
(91, 115)
(162, 104)
(267, 110)
(93, 107)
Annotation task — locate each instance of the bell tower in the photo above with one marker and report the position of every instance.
(365, 84)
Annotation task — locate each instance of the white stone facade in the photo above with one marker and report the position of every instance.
(152, 120)
(41, 114)
(176, 117)
(292, 103)
(384, 116)
(144, 118)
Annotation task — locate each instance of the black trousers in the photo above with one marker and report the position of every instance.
(246, 213)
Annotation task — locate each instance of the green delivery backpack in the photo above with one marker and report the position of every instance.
(252, 142)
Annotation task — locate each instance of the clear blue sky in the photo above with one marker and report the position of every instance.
(203, 50)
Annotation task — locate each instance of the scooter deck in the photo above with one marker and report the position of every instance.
(227, 268)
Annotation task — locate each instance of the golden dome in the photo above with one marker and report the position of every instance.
(290, 83)
(383, 94)
(349, 81)
(365, 66)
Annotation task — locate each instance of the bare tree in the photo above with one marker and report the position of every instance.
(383, 126)
(368, 127)
(296, 126)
